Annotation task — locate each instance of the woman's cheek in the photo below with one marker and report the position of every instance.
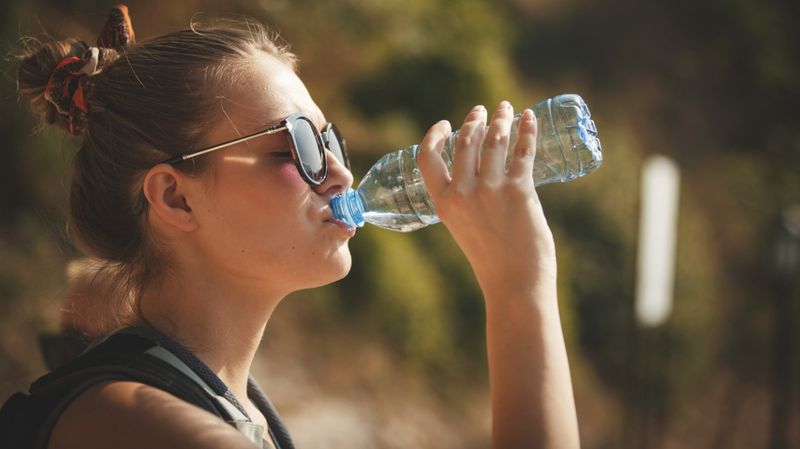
(288, 173)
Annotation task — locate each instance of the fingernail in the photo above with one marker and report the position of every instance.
(528, 115)
(478, 108)
(505, 104)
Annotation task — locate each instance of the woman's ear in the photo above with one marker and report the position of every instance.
(170, 193)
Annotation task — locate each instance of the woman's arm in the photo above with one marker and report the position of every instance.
(496, 218)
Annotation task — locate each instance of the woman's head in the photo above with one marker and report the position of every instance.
(164, 97)
(254, 214)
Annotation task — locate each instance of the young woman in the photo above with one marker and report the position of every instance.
(203, 182)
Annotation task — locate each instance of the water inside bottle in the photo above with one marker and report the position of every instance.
(400, 222)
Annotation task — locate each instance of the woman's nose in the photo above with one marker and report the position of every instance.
(339, 177)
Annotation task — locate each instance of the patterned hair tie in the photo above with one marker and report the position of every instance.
(70, 86)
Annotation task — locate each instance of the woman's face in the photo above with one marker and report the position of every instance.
(259, 220)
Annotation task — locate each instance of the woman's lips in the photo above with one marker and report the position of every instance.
(346, 229)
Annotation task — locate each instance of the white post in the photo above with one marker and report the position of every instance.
(657, 240)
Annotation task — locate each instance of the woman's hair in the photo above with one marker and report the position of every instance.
(153, 100)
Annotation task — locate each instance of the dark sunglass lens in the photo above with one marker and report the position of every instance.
(308, 150)
(337, 146)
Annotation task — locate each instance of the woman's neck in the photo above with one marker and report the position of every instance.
(221, 320)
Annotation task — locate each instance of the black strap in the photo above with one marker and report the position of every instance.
(277, 430)
(122, 357)
(186, 356)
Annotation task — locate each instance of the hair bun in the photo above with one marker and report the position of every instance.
(56, 76)
(36, 67)
(69, 87)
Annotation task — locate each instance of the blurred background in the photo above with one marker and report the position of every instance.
(393, 355)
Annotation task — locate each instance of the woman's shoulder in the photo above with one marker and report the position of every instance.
(126, 414)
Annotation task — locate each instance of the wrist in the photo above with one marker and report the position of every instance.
(534, 287)
(496, 280)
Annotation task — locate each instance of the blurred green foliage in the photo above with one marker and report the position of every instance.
(712, 84)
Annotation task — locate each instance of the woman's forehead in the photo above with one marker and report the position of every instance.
(266, 113)
(277, 92)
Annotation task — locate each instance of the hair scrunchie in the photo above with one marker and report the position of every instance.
(70, 86)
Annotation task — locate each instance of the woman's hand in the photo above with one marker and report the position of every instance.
(495, 216)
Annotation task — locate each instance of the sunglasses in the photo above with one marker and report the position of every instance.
(307, 144)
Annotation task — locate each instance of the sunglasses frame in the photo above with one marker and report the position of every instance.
(288, 125)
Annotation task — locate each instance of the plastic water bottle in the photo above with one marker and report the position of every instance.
(392, 194)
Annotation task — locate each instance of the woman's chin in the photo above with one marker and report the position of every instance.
(344, 262)
(336, 268)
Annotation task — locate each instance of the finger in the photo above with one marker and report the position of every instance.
(467, 151)
(525, 150)
(430, 162)
(495, 147)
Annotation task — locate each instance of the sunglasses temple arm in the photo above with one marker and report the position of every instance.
(188, 156)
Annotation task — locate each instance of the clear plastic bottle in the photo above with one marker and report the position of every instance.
(392, 194)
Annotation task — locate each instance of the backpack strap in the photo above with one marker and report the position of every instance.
(185, 361)
(181, 358)
(142, 355)
(27, 420)
(277, 430)
(119, 357)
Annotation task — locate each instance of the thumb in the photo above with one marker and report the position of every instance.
(429, 159)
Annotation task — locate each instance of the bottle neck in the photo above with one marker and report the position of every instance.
(348, 208)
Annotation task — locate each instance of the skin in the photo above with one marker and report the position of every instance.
(251, 231)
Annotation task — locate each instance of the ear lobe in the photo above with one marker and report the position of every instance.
(166, 189)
